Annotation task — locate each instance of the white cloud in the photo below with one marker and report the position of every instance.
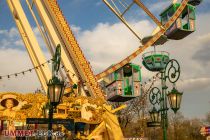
(14, 58)
(10, 38)
(3, 32)
(18, 43)
(107, 44)
(99, 3)
(159, 6)
(13, 32)
(194, 84)
(12, 61)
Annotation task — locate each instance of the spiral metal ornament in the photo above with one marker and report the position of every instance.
(172, 70)
(154, 95)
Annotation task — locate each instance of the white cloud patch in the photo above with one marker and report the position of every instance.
(14, 58)
(158, 6)
(12, 61)
(202, 55)
(10, 38)
(194, 84)
(107, 44)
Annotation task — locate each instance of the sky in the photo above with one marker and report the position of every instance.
(105, 40)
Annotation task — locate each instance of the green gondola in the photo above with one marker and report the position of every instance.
(124, 84)
(155, 61)
(184, 25)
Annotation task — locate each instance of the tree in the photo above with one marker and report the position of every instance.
(208, 118)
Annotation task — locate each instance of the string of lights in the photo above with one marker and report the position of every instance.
(8, 76)
(146, 91)
(142, 99)
(152, 79)
(24, 71)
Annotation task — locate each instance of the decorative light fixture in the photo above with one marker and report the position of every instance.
(55, 87)
(174, 98)
(154, 114)
(55, 91)
(156, 96)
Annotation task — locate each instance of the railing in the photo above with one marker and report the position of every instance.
(154, 53)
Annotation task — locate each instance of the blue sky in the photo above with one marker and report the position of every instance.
(105, 40)
(88, 14)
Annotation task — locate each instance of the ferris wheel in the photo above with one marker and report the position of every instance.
(177, 21)
(123, 78)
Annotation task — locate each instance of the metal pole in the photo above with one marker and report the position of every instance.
(50, 122)
(164, 115)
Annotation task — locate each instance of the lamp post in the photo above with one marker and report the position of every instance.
(55, 87)
(172, 73)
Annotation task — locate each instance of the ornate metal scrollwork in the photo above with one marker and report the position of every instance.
(172, 71)
(154, 95)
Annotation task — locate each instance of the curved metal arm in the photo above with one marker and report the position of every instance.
(172, 71)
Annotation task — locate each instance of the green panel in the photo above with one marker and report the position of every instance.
(168, 12)
(156, 65)
(140, 76)
(176, 6)
(192, 12)
(115, 76)
(136, 67)
(164, 19)
(127, 88)
(155, 55)
(186, 27)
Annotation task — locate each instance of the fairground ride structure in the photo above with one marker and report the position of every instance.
(55, 30)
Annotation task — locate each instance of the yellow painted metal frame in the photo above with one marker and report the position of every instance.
(30, 42)
(119, 15)
(55, 38)
(73, 49)
(147, 45)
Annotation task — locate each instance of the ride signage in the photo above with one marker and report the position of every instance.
(46, 121)
(153, 124)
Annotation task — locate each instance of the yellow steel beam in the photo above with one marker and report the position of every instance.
(140, 4)
(56, 38)
(119, 108)
(96, 131)
(44, 35)
(74, 50)
(113, 124)
(30, 42)
(122, 19)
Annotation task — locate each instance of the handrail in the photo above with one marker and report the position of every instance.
(155, 52)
